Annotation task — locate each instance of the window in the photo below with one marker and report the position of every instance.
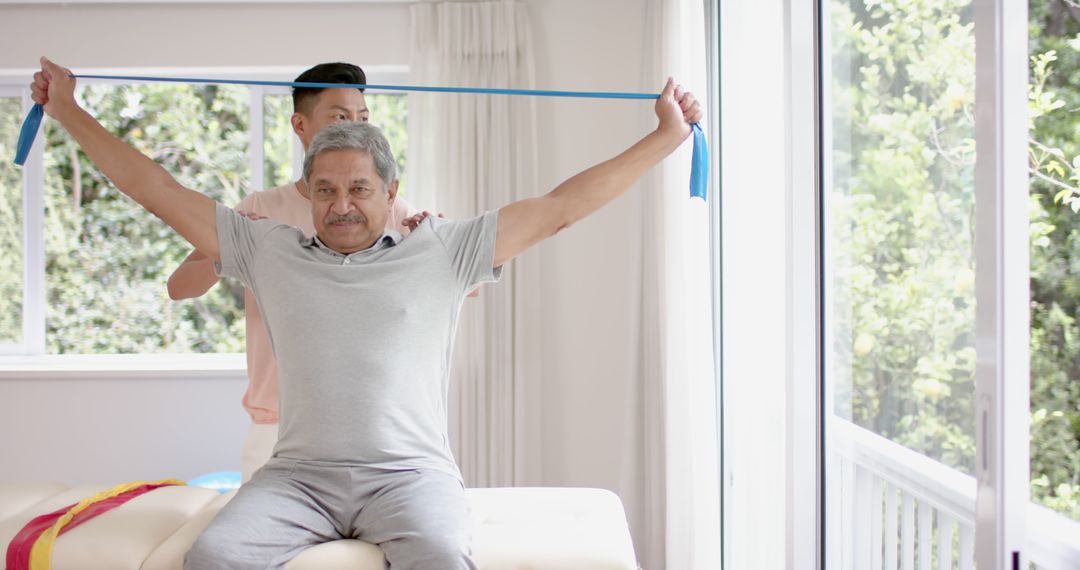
(1055, 233)
(11, 223)
(899, 203)
(389, 112)
(107, 260)
(910, 421)
(282, 155)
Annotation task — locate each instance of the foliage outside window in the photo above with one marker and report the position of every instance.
(1055, 254)
(902, 231)
(107, 260)
(11, 251)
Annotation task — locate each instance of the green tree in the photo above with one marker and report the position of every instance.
(1055, 255)
(902, 203)
(902, 220)
(107, 260)
(389, 112)
(11, 221)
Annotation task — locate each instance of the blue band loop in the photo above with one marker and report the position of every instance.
(699, 179)
(28, 133)
(699, 166)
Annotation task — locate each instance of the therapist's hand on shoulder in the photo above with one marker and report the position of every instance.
(414, 220)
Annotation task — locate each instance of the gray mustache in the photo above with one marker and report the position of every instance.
(348, 218)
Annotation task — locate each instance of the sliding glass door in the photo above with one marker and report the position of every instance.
(924, 305)
(899, 232)
(1053, 518)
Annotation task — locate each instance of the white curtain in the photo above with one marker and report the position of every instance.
(467, 154)
(682, 506)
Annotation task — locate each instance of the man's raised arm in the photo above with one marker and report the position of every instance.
(190, 213)
(524, 223)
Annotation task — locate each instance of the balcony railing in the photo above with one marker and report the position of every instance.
(893, 508)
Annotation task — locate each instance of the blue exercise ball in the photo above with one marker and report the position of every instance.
(220, 481)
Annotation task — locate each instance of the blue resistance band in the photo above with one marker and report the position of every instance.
(699, 168)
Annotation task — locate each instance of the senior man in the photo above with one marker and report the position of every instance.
(364, 350)
(314, 108)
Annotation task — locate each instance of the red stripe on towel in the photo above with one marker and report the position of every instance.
(18, 552)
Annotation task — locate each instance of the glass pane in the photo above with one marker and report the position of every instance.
(899, 279)
(1055, 256)
(390, 112)
(11, 224)
(107, 259)
(279, 141)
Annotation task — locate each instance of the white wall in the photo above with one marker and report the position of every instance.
(588, 411)
(111, 431)
(198, 35)
(591, 383)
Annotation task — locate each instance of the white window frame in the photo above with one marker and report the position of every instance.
(33, 321)
(28, 358)
(1002, 288)
(713, 136)
(805, 459)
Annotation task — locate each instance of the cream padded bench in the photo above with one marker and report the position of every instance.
(515, 528)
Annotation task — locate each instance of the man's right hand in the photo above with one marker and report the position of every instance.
(54, 89)
(188, 212)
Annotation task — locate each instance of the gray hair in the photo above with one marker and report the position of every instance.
(354, 136)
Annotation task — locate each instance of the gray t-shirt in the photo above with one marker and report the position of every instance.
(363, 341)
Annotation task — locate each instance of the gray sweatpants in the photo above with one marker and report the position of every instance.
(419, 518)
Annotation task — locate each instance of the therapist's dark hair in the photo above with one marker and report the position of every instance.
(304, 97)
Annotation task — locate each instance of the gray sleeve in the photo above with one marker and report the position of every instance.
(238, 241)
(470, 244)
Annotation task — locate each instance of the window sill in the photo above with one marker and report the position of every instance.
(116, 366)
